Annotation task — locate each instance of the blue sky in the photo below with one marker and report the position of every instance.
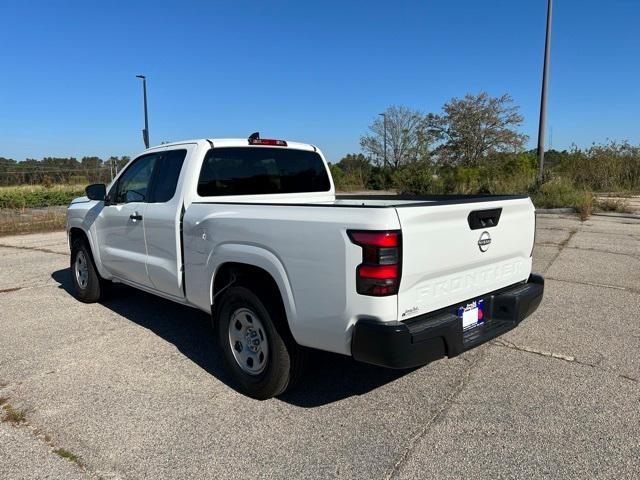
(310, 71)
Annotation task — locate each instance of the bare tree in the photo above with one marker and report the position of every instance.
(475, 126)
(404, 128)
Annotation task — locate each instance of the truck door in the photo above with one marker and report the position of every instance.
(121, 223)
(162, 223)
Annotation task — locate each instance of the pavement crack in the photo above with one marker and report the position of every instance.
(26, 287)
(40, 435)
(561, 245)
(592, 284)
(559, 356)
(10, 289)
(543, 353)
(601, 250)
(35, 249)
(446, 405)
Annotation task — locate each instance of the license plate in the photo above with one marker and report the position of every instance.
(472, 314)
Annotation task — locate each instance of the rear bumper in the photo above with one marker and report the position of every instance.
(432, 336)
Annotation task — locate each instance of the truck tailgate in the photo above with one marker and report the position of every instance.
(449, 257)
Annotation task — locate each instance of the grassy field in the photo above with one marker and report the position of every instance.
(36, 208)
(38, 196)
(32, 220)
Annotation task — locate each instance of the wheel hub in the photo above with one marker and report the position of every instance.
(81, 270)
(248, 341)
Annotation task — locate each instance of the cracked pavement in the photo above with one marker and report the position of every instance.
(134, 386)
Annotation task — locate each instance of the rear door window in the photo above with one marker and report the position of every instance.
(167, 174)
(261, 170)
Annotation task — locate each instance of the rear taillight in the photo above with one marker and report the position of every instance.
(379, 273)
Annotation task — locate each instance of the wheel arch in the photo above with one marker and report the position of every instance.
(258, 272)
(78, 233)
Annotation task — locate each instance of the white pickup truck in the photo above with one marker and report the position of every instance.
(251, 231)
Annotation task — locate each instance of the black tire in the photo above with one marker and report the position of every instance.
(285, 358)
(93, 288)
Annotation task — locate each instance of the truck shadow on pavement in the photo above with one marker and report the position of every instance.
(329, 377)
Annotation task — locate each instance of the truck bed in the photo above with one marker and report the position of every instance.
(444, 261)
(415, 200)
(376, 201)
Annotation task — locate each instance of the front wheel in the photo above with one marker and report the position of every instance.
(87, 284)
(258, 348)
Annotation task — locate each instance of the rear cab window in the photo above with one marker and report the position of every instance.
(230, 171)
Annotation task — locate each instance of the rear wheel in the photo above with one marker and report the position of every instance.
(87, 283)
(258, 348)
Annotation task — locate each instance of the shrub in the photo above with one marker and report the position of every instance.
(78, 180)
(560, 192)
(349, 180)
(613, 166)
(380, 178)
(37, 196)
(47, 181)
(464, 180)
(417, 178)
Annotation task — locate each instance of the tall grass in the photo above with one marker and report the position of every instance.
(15, 222)
(610, 167)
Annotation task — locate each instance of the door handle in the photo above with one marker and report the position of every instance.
(135, 217)
(484, 218)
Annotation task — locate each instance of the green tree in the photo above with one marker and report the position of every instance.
(354, 162)
(471, 128)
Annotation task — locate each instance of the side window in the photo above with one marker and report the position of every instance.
(168, 172)
(133, 185)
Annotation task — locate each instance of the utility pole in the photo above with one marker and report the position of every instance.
(384, 122)
(145, 132)
(543, 96)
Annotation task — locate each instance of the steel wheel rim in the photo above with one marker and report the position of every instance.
(81, 270)
(248, 341)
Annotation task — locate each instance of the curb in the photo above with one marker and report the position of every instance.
(556, 210)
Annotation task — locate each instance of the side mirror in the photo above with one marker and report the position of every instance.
(97, 191)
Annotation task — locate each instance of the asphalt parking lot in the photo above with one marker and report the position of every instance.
(135, 389)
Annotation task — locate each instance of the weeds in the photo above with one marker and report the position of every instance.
(13, 415)
(61, 452)
(14, 222)
(612, 204)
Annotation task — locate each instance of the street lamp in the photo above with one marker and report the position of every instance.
(384, 122)
(543, 96)
(145, 132)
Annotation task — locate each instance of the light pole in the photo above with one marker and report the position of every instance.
(543, 96)
(384, 122)
(145, 132)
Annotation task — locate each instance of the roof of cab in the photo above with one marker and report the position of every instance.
(235, 142)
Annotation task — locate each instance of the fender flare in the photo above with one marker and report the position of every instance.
(79, 224)
(254, 256)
